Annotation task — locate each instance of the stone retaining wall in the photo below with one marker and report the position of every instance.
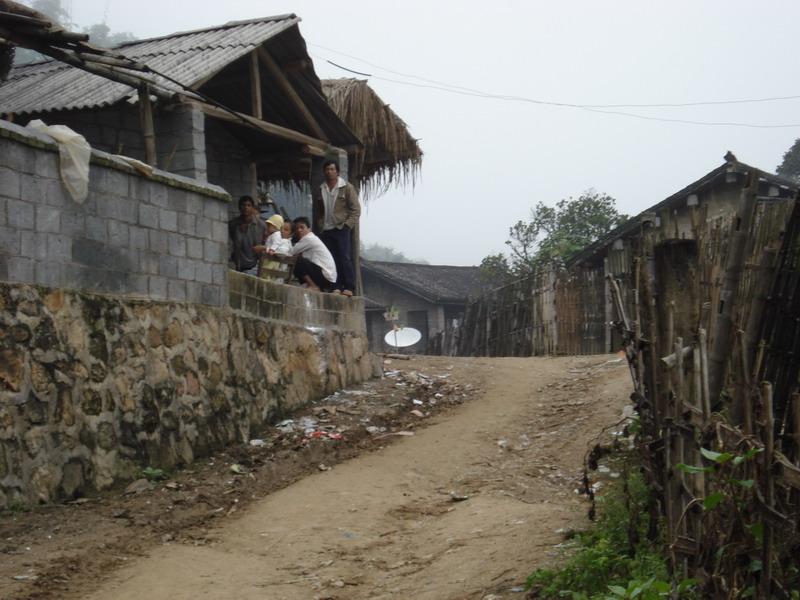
(93, 388)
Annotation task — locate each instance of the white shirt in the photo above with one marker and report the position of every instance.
(329, 199)
(312, 248)
(273, 241)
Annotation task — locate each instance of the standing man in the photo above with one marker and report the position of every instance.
(336, 213)
(246, 231)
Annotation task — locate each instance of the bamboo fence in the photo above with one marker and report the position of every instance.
(709, 320)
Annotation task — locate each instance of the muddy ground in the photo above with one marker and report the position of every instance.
(448, 478)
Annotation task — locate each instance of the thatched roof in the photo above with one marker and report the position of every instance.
(391, 154)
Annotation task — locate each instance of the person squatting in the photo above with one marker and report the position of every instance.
(322, 263)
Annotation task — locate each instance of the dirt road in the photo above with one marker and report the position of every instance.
(464, 508)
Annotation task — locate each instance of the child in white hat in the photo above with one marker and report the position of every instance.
(274, 243)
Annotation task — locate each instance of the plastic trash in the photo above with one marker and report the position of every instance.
(257, 443)
(285, 426)
(74, 153)
(308, 424)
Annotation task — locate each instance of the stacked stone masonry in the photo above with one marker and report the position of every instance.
(93, 388)
(159, 237)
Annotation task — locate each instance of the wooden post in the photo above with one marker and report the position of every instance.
(655, 400)
(638, 323)
(795, 408)
(669, 344)
(146, 121)
(609, 304)
(254, 182)
(255, 86)
(743, 401)
(769, 492)
(698, 379)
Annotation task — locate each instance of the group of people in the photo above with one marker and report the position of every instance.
(324, 262)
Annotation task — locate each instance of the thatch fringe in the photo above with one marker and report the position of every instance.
(391, 155)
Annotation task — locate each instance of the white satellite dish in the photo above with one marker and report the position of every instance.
(402, 337)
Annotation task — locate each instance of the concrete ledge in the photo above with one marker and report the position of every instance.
(295, 305)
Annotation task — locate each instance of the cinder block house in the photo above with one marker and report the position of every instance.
(275, 122)
(430, 298)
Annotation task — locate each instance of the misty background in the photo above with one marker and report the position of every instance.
(488, 160)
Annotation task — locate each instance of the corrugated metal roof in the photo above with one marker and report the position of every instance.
(187, 57)
(436, 283)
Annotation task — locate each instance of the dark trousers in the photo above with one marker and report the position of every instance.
(339, 243)
(304, 267)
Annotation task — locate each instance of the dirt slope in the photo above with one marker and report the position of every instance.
(385, 524)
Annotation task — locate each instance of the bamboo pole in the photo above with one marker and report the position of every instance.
(723, 324)
(795, 408)
(638, 325)
(743, 400)
(769, 451)
(146, 121)
(703, 343)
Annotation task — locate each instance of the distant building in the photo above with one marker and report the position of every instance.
(430, 298)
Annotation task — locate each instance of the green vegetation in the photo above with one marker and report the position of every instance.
(152, 474)
(387, 254)
(553, 235)
(614, 559)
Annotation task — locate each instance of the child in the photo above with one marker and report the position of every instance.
(274, 243)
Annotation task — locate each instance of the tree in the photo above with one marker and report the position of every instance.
(790, 167)
(386, 254)
(553, 234)
(99, 34)
(495, 270)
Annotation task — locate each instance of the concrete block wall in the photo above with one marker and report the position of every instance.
(181, 142)
(163, 237)
(115, 130)
(227, 163)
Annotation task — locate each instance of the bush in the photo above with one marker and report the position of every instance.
(614, 559)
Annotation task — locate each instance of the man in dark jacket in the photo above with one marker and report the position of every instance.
(246, 231)
(336, 210)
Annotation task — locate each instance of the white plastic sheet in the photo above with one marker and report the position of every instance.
(74, 152)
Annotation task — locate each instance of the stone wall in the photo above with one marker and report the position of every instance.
(93, 388)
(159, 237)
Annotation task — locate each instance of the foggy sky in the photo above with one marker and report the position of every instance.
(487, 161)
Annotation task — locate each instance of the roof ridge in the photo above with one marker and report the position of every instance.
(228, 25)
(416, 264)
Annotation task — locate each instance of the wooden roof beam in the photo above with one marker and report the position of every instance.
(315, 146)
(288, 89)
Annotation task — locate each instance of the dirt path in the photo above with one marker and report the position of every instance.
(387, 524)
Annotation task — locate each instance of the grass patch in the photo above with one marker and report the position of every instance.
(614, 559)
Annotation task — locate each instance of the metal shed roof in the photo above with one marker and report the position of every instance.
(188, 57)
(443, 284)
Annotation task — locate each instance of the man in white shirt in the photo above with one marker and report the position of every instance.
(315, 265)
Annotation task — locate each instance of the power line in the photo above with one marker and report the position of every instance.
(598, 108)
(568, 104)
